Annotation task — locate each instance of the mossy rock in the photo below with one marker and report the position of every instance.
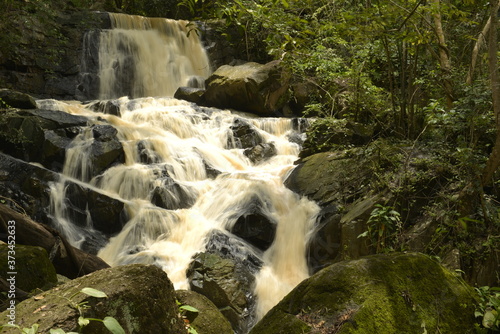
(32, 267)
(208, 319)
(140, 297)
(397, 293)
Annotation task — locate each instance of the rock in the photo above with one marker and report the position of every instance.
(251, 87)
(108, 215)
(110, 107)
(230, 247)
(14, 99)
(39, 135)
(191, 94)
(260, 152)
(140, 297)
(244, 135)
(325, 246)
(172, 195)
(106, 150)
(397, 293)
(227, 284)
(329, 178)
(67, 260)
(30, 187)
(147, 155)
(254, 227)
(31, 264)
(209, 320)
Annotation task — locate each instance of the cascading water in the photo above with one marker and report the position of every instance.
(142, 56)
(190, 158)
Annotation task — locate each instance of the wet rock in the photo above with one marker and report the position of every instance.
(244, 135)
(397, 293)
(140, 297)
(39, 135)
(30, 187)
(208, 319)
(191, 94)
(251, 87)
(14, 99)
(260, 152)
(255, 227)
(147, 155)
(107, 215)
(233, 248)
(67, 260)
(172, 195)
(27, 186)
(110, 107)
(106, 150)
(325, 246)
(227, 284)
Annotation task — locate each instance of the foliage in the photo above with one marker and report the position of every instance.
(109, 322)
(183, 310)
(384, 225)
(488, 309)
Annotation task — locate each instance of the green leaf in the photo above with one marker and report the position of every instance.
(113, 325)
(489, 319)
(94, 293)
(31, 330)
(82, 322)
(362, 235)
(188, 308)
(57, 331)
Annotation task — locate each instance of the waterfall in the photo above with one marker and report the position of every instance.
(185, 172)
(142, 56)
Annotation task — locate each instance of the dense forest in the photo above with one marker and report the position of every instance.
(420, 77)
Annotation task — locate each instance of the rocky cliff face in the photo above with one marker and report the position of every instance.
(41, 51)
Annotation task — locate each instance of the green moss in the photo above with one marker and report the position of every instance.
(32, 266)
(398, 293)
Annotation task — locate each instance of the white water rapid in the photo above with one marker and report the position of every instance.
(189, 153)
(169, 54)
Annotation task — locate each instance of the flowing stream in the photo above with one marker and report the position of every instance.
(186, 143)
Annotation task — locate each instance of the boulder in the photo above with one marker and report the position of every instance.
(231, 247)
(254, 227)
(227, 283)
(397, 293)
(31, 265)
(251, 87)
(172, 195)
(30, 186)
(260, 152)
(106, 150)
(140, 297)
(330, 177)
(39, 135)
(14, 99)
(110, 107)
(243, 135)
(67, 260)
(208, 319)
(190, 94)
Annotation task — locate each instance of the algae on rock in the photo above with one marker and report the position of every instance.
(396, 293)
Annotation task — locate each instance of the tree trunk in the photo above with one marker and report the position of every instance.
(479, 43)
(444, 59)
(494, 160)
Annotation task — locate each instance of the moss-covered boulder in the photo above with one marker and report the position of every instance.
(31, 265)
(140, 297)
(397, 293)
(14, 99)
(208, 319)
(251, 87)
